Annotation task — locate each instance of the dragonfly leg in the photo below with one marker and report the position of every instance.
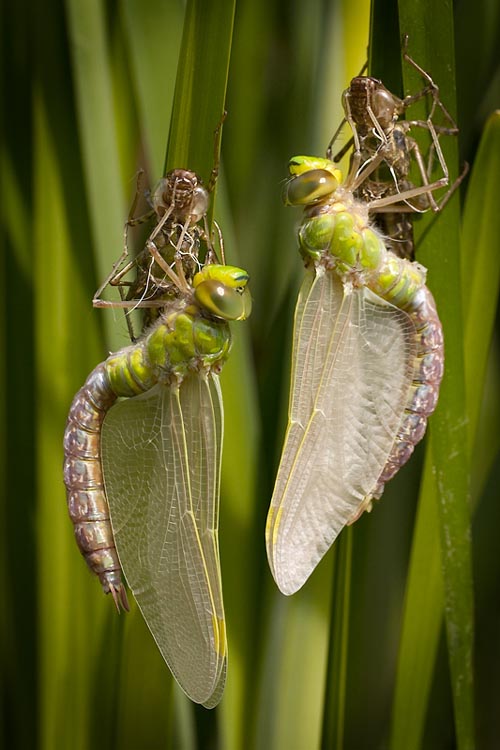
(220, 243)
(117, 272)
(344, 149)
(446, 197)
(207, 236)
(164, 265)
(431, 88)
(424, 173)
(358, 176)
(405, 195)
(217, 140)
(434, 151)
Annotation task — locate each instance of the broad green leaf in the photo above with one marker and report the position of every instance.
(335, 692)
(289, 717)
(98, 136)
(154, 33)
(450, 465)
(71, 621)
(481, 265)
(200, 89)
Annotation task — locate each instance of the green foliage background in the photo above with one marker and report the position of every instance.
(360, 657)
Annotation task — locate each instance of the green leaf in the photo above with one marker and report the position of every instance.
(98, 136)
(70, 624)
(447, 461)
(335, 693)
(154, 66)
(481, 265)
(200, 89)
(295, 665)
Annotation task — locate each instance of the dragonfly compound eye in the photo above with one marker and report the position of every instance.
(223, 301)
(309, 187)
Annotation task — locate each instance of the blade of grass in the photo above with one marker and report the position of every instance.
(154, 67)
(294, 674)
(200, 89)
(480, 258)
(18, 649)
(421, 627)
(446, 459)
(67, 343)
(481, 264)
(98, 136)
(240, 561)
(69, 632)
(335, 693)
(384, 60)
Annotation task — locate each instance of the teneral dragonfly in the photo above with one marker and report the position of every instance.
(143, 447)
(367, 364)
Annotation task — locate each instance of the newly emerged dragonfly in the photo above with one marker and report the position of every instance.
(366, 368)
(143, 447)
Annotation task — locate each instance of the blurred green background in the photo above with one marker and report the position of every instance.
(360, 658)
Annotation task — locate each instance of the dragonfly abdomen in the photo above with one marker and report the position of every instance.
(424, 392)
(87, 504)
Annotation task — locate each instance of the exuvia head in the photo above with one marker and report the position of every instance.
(181, 193)
(223, 292)
(312, 179)
(365, 94)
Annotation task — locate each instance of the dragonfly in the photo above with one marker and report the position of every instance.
(385, 151)
(367, 364)
(143, 446)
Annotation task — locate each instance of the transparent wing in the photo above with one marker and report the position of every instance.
(352, 369)
(161, 454)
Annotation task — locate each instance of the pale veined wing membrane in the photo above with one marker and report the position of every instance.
(160, 455)
(354, 357)
(310, 341)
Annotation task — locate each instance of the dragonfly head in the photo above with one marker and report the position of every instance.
(223, 292)
(312, 179)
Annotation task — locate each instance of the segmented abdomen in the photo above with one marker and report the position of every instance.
(87, 504)
(126, 373)
(427, 376)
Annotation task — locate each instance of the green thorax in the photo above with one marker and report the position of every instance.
(191, 335)
(181, 341)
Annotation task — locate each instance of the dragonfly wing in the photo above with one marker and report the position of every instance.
(353, 367)
(161, 462)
